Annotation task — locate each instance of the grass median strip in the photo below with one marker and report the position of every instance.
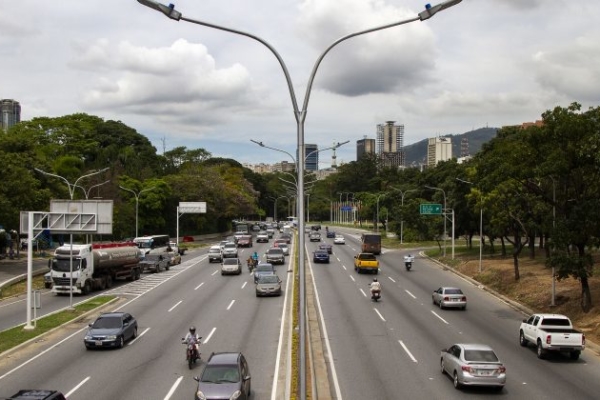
(15, 336)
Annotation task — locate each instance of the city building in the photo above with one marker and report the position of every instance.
(438, 149)
(311, 154)
(10, 113)
(364, 146)
(390, 144)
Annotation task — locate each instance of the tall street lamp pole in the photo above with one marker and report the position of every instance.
(71, 187)
(480, 222)
(402, 194)
(377, 214)
(443, 213)
(137, 201)
(300, 115)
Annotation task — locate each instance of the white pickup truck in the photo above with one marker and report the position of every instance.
(551, 332)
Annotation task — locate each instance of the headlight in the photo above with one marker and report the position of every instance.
(87, 337)
(200, 395)
(111, 337)
(235, 395)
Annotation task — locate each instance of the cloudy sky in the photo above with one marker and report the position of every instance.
(480, 63)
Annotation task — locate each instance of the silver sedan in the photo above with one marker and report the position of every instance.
(450, 297)
(473, 364)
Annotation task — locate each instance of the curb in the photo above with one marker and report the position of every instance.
(36, 338)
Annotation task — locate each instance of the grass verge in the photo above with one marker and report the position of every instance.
(15, 336)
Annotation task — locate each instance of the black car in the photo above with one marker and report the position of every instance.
(37, 394)
(155, 263)
(226, 376)
(330, 234)
(111, 330)
(321, 256)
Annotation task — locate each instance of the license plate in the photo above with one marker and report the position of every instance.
(455, 299)
(485, 372)
(98, 343)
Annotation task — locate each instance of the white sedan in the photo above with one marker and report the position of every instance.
(339, 239)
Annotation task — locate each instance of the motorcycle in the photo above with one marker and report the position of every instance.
(192, 354)
(252, 263)
(408, 262)
(375, 295)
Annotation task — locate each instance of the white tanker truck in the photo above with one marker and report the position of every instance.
(95, 267)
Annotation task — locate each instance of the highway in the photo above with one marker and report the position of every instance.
(385, 350)
(391, 349)
(223, 308)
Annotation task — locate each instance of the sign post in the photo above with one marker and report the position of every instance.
(189, 207)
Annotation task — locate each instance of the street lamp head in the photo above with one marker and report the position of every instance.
(169, 10)
(430, 10)
(261, 144)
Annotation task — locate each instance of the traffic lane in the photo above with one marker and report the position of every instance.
(157, 349)
(371, 359)
(491, 321)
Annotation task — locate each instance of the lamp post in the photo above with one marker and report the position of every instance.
(137, 201)
(444, 214)
(480, 222)
(275, 206)
(300, 115)
(377, 214)
(402, 194)
(71, 187)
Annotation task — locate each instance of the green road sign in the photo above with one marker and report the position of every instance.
(431, 209)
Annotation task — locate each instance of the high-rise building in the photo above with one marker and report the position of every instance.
(10, 113)
(438, 149)
(364, 146)
(390, 144)
(311, 153)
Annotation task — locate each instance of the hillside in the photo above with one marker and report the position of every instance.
(416, 153)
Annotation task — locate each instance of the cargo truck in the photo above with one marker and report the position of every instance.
(94, 266)
(371, 243)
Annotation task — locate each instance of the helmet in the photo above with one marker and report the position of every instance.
(374, 279)
(192, 329)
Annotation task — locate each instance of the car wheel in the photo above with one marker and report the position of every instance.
(442, 368)
(522, 341)
(120, 342)
(575, 355)
(433, 300)
(455, 381)
(541, 353)
(498, 388)
(464, 308)
(441, 304)
(134, 334)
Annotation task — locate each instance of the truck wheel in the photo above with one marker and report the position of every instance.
(522, 341)
(48, 285)
(109, 282)
(575, 355)
(138, 274)
(87, 288)
(541, 353)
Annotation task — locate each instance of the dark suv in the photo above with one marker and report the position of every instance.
(225, 375)
(30, 394)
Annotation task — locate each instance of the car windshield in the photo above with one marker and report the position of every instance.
(275, 251)
(214, 250)
(220, 373)
(269, 279)
(230, 246)
(480, 356)
(107, 323)
(230, 261)
(453, 291)
(367, 256)
(264, 268)
(153, 257)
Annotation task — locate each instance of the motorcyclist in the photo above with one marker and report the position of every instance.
(408, 259)
(192, 338)
(255, 256)
(375, 286)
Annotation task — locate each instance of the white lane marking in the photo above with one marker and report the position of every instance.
(339, 260)
(410, 294)
(230, 305)
(178, 303)
(214, 273)
(77, 387)
(284, 314)
(173, 388)
(198, 287)
(380, 316)
(209, 335)
(407, 351)
(138, 336)
(338, 392)
(391, 279)
(351, 277)
(343, 266)
(244, 285)
(363, 292)
(442, 319)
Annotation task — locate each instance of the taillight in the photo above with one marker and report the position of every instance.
(447, 299)
(549, 339)
(583, 339)
(467, 368)
(464, 298)
(502, 370)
